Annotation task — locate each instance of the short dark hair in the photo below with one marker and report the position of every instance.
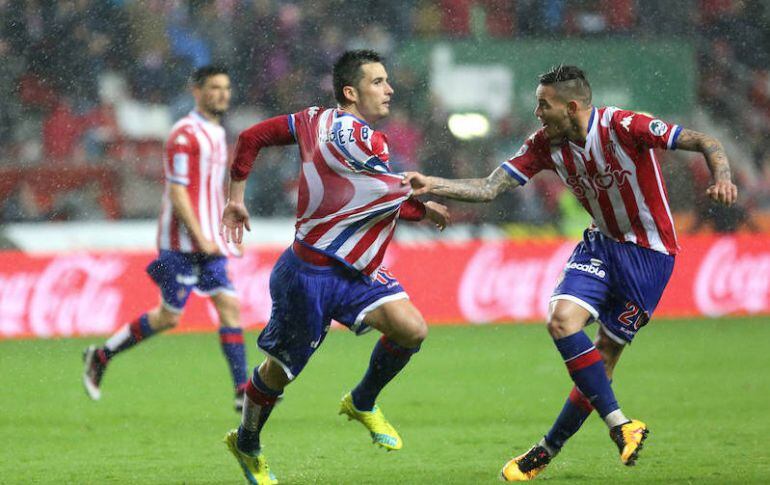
(569, 81)
(200, 75)
(347, 70)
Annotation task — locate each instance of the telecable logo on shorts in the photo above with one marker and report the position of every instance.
(588, 268)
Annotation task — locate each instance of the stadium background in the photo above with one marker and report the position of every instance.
(90, 89)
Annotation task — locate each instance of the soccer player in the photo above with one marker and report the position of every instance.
(616, 275)
(348, 205)
(192, 253)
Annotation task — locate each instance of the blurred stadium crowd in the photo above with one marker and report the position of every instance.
(66, 153)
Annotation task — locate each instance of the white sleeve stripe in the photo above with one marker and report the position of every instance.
(178, 180)
(675, 130)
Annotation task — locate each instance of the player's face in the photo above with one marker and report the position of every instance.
(214, 96)
(552, 112)
(374, 92)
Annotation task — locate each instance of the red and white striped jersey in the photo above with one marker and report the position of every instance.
(348, 199)
(196, 157)
(615, 176)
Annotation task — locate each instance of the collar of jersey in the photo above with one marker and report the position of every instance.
(195, 114)
(339, 113)
(590, 131)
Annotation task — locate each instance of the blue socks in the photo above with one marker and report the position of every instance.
(574, 413)
(387, 360)
(259, 403)
(231, 340)
(128, 336)
(586, 368)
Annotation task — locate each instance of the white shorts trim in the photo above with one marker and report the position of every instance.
(585, 305)
(378, 303)
(612, 336)
(285, 367)
(216, 291)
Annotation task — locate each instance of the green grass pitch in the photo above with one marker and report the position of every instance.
(470, 399)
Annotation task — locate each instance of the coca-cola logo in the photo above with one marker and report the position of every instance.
(494, 287)
(72, 295)
(731, 282)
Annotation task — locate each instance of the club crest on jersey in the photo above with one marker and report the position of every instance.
(658, 128)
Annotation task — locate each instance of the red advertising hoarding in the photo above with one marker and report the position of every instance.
(477, 282)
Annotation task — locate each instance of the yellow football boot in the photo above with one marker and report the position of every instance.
(527, 466)
(383, 434)
(629, 437)
(255, 468)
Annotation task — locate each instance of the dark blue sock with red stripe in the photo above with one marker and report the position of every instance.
(231, 339)
(259, 403)
(586, 368)
(574, 413)
(387, 360)
(128, 336)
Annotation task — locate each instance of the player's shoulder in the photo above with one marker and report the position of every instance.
(539, 141)
(310, 113)
(182, 132)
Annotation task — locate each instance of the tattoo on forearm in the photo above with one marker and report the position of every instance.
(716, 159)
(473, 190)
(711, 149)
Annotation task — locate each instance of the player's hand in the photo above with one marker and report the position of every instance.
(420, 183)
(724, 192)
(234, 218)
(438, 214)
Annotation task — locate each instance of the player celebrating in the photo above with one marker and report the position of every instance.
(192, 252)
(617, 274)
(348, 204)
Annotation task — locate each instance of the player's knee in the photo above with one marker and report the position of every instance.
(418, 332)
(560, 324)
(165, 320)
(230, 314)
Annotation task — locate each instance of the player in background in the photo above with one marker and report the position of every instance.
(348, 205)
(192, 253)
(617, 274)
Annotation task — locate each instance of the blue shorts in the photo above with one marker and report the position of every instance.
(620, 284)
(177, 274)
(306, 298)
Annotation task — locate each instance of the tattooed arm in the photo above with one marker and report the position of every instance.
(468, 190)
(723, 190)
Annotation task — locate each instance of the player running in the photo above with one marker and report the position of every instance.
(348, 205)
(191, 250)
(617, 274)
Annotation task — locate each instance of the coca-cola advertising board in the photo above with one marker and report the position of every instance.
(451, 283)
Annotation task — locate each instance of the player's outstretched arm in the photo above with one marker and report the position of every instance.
(468, 190)
(235, 216)
(723, 190)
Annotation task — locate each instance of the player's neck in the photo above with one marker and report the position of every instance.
(578, 131)
(210, 117)
(352, 109)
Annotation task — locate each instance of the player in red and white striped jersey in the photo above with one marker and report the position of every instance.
(348, 204)
(616, 276)
(193, 254)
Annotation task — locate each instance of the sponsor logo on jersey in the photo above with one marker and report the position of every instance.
(592, 268)
(658, 128)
